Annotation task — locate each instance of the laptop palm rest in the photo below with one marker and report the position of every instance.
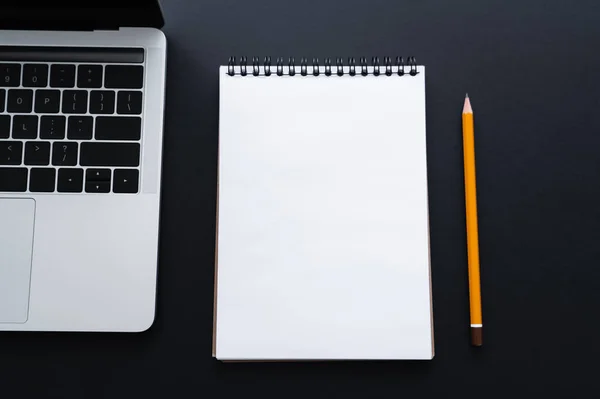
(16, 247)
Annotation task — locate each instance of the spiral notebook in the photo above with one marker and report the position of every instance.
(322, 246)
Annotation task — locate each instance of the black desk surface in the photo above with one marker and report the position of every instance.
(532, 71)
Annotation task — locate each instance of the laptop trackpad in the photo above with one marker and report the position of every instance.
(16, 246)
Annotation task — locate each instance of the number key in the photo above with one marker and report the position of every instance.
(10, 75)
(35, 75)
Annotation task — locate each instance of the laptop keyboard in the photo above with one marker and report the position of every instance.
(70, 127)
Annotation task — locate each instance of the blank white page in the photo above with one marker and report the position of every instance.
(323, 239)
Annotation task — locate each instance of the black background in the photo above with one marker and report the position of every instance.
(531, 69)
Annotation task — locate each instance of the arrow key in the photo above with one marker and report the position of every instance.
(126, 181)
(37, 153)
(97, 175)
(97, 186)
(70, 180)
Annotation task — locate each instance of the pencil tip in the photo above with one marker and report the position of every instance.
(467, 109)
(467, 95)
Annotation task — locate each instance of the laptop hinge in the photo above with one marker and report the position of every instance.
(81, 28)
(81, 18)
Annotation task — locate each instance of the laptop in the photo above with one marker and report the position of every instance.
(81, 128)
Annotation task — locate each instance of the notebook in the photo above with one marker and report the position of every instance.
(322, 248)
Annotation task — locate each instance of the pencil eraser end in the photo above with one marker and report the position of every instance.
(477, 336)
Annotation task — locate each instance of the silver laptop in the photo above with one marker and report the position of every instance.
(81, 131)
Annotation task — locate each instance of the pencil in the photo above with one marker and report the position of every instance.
(472, 225)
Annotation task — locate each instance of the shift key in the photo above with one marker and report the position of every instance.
(118, 128)
(109, 154)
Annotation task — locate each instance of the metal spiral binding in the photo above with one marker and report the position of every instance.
(399, 67)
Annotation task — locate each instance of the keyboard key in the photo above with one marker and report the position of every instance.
(2, 99)
(11, 152)
(10, 75)
(4, 126)
(37, 153)
(129, 102)
(118, 128)
(80, 128)
(20, 101)
(109, 154)
(97, 186)
(124, 77)
(62, 75)
(35, 75)
(126, 181)
(52, 127)
(102, 102)
(74, 102)
(70, 180)
(13, 179)
(42, 180)
(97, 175)
(25, 127)
(47, 101)
(89, 76)
(64, 153)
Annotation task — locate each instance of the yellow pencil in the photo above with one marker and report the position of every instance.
(472, 228)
